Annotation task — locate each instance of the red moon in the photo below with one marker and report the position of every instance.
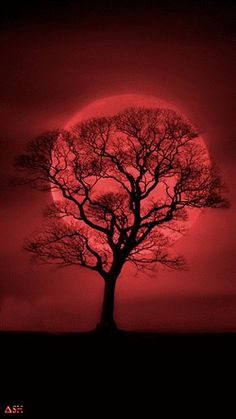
(110, 105)
(113, 104)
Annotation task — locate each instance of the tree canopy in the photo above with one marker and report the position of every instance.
(119, 184)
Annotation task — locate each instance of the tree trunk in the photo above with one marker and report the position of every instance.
(107, 323)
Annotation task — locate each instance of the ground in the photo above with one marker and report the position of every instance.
(72, 372)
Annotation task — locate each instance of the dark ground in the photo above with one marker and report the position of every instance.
(54, 375)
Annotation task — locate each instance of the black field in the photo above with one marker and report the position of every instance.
(66, 374)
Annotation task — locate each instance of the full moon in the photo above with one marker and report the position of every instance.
(111, 105)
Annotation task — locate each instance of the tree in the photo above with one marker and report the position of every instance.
(122, 187)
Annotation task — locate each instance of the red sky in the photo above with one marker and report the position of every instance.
(57, 59)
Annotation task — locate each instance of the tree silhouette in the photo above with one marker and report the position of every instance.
(123, 187)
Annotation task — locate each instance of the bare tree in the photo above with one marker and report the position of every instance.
(122, 187)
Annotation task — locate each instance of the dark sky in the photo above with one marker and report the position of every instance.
(57, 57)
